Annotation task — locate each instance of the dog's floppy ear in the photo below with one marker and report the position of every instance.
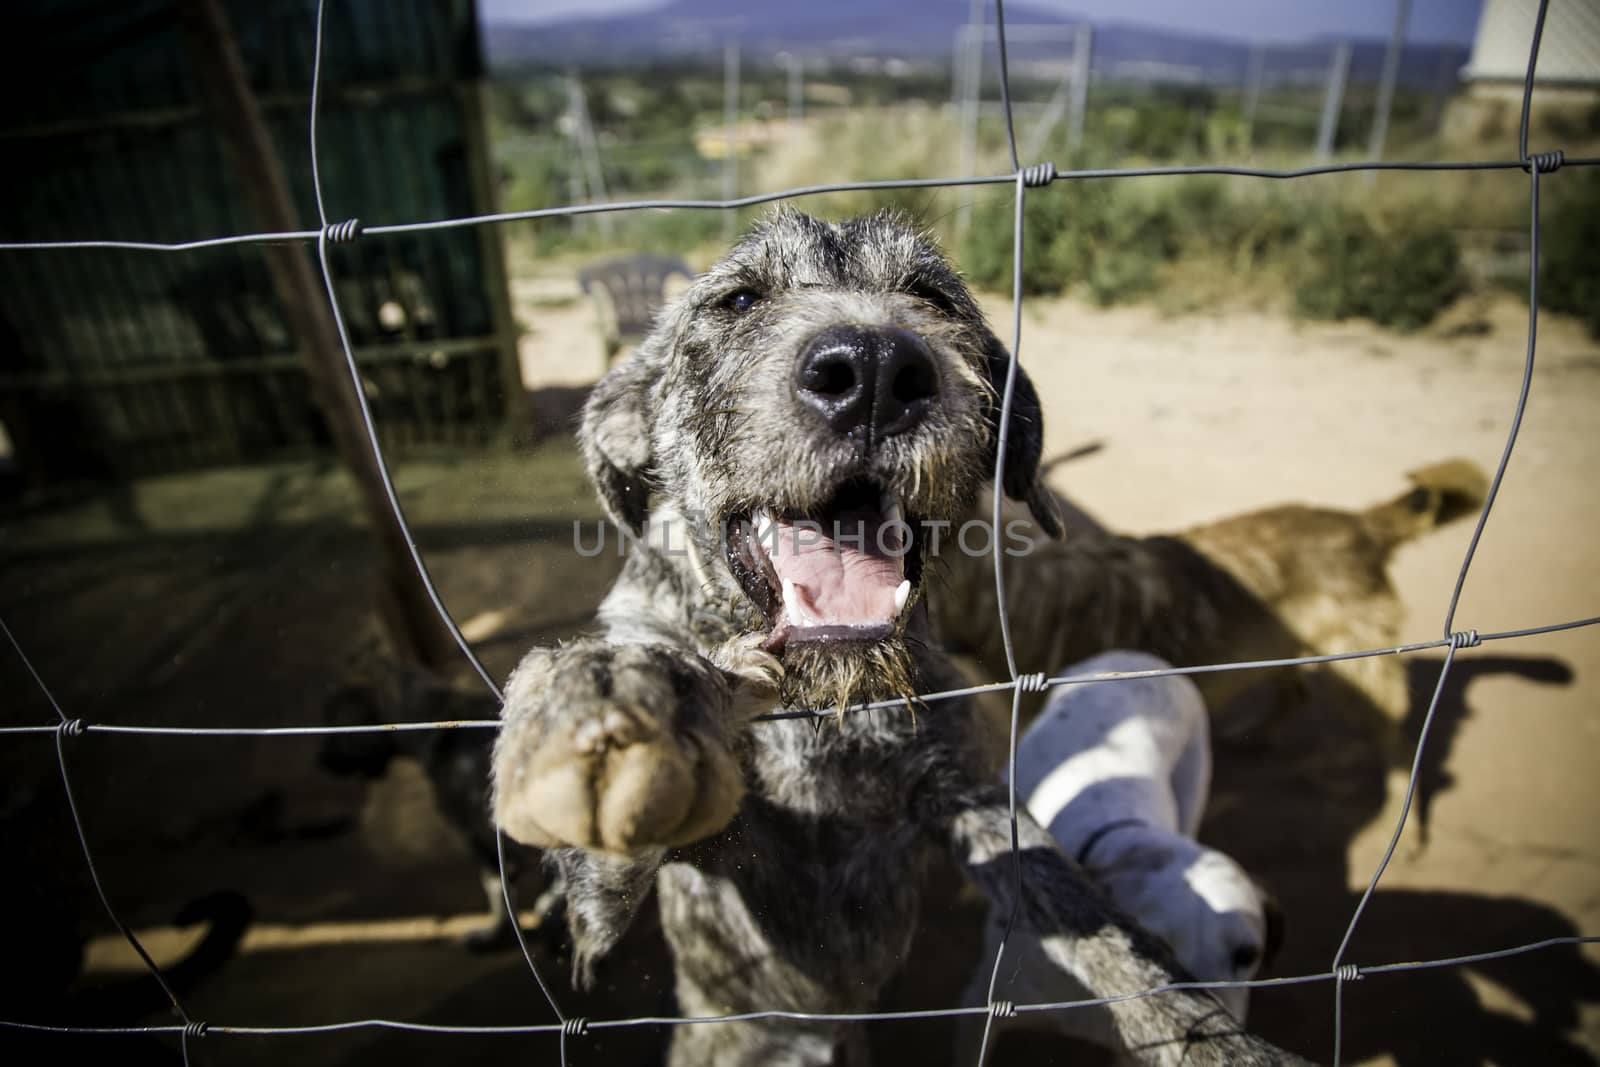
(1024, 440)
(1272, 912)
(616, 442)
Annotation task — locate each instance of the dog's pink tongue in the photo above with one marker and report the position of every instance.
(840, 572)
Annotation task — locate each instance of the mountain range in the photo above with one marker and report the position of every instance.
(923, 30)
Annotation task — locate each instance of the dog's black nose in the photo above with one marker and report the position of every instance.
(877, 381)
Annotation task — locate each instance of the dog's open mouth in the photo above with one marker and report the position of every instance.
(843, 573)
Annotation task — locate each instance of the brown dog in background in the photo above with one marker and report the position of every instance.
(1285, 581)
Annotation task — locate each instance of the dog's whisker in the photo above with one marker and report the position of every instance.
(911, 700)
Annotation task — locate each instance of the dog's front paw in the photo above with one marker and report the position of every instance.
(615, 747)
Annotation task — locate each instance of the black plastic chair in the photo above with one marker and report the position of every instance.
(634, 287)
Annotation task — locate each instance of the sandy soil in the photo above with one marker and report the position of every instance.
(1206, 416)
(1202, 416)
(239, 601)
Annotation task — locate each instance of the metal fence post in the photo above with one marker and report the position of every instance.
(1391, 71)
(1054, 111)
(797, 92)
(1082, 57)
(730, 132)
(1252, 95)
(969, 50)
(1333, 101)
(594, 179)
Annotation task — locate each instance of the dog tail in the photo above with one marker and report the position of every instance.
(1088, 448)
(1440, 494)
(229, 915)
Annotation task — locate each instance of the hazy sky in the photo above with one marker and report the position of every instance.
(1431, 20)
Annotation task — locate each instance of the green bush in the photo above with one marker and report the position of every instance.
(986, 252)
(1111, 240)
(1401, 279)
(1079, 233)
(1212, 217)
(1569, 267)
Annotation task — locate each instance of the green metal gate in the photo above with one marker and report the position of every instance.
(120, 363)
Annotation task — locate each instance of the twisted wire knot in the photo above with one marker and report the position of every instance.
(1039, 174)
(1465, 639)
(1002, 1009)
(1348, 972)
(340, 232)
(577, 1026)
(1544, 162)
(195, 1029)
(1033, 683)
(72, 728)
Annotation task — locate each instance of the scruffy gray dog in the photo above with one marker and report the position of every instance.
(784, 447)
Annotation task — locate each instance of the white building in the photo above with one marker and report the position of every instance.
(1569, 51)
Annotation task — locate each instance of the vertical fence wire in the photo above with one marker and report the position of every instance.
(1467, 638)
(1533, 168)
(1003, 435)
(73, 728)
(1022, 177)
(348, 231)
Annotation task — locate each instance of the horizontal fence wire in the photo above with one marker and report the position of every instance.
(1350, 973)
(1021, 179)
(1029, 682)
(794, 193)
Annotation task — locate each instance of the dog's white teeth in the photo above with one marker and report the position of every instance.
(793, 607)
(764, 525)
(901, 594)
(892, 511)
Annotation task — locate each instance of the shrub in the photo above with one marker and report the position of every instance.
(1569, 268)
(1083, 233)
(986, 252)
(1400, 279)
(1112, 240)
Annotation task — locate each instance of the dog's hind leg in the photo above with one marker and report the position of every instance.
(604, 893)
(732, 955)
(1082, 933)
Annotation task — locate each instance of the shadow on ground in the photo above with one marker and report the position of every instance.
(255, 623)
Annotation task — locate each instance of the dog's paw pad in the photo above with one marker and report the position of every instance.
(618, 749)
(612, 728)
(588, 736)
(623, 728)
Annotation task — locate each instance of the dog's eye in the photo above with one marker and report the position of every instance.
(1244, 958)
(740, 300)
(937, 297)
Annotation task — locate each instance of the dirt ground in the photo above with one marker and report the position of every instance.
(238, 597)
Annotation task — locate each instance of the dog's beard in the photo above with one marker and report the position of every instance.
(837, 675)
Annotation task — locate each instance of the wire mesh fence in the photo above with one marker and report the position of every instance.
(1036, 179)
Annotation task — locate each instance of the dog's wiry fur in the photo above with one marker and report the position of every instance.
(787, 859)
(1280, 582)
